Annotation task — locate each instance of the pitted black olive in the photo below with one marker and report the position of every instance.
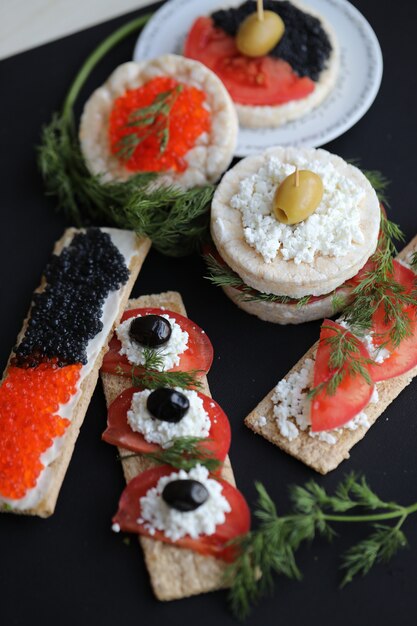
(150, 331)
(167, 404)
(185, 495)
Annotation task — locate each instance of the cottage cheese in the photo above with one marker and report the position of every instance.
(170, 352)
(377, 353)
(157, 515)
(292, 407)
(195, 423)
(329, 231)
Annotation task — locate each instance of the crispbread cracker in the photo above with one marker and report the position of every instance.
(174, 572)
(58, 467)
(317, 454)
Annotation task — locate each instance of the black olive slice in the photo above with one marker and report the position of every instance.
(167, 404)
(185, 495)
(150, 331)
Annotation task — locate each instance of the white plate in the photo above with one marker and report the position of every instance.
(358, 83)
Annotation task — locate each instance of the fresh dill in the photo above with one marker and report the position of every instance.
(339, 302)
(378, 288)
(223, 276)
(153, 359)
(176, 220)
(182, 453)
(154, 118)
(345, 359)
(270, 549)
(152, 379)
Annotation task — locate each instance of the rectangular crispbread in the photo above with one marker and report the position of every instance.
(317, 454)
(59, 466)
(174, 572)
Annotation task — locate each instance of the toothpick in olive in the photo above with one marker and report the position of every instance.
(297, 197)
(256, 37)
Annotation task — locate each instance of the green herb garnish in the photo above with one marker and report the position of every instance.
(151, 379)
(182, 453)
(345, 359)
(379, 288)
(155, 118)
(270, 549)
(176, 220)
(223, 276)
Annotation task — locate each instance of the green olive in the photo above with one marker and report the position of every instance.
(294, 202)
(256, 37)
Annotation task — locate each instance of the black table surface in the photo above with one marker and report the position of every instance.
(70, 568)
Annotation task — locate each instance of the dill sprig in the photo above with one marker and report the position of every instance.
(182, 453)
(223, 276)
(379, 288)
(176, 220)
(152, 379)
(379, 183)
(154, 118)
(270, 549)
(345, 359)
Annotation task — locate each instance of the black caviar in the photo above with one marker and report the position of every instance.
(66, 314)
(304, 45)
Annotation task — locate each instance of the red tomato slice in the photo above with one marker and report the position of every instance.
(261, 81)
(119, 433)
(403, 357)
(237, 521)
(198, 355)
(352, 395)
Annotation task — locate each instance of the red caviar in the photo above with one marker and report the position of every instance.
(186, 119)
(29, 403)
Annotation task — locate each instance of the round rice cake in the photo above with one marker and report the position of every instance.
(291, 313)
(281, 276)
(213, 151)
(269, 116)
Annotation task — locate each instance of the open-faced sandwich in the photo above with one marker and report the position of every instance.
(292, 229)
(277, 63)
(185, 517)
(171, 116)
(340, 387)
(53, 369)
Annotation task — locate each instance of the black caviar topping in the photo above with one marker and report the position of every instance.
(185, 495)
(304, 45)
(66, 315)
(167, 404)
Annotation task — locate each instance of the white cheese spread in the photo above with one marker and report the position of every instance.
(291, 408)
(330, 231)
(157, 515)
(195, 423)
(170, 352)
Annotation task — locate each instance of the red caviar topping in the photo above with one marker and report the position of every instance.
(151, 128)
(29, 402)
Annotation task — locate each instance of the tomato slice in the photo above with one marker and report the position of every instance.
(254, 81)
(119, 433)
(198, 355)
(237, 521)
(352, 395)
(404, 356)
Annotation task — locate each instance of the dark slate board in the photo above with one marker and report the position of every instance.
(71, 569)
